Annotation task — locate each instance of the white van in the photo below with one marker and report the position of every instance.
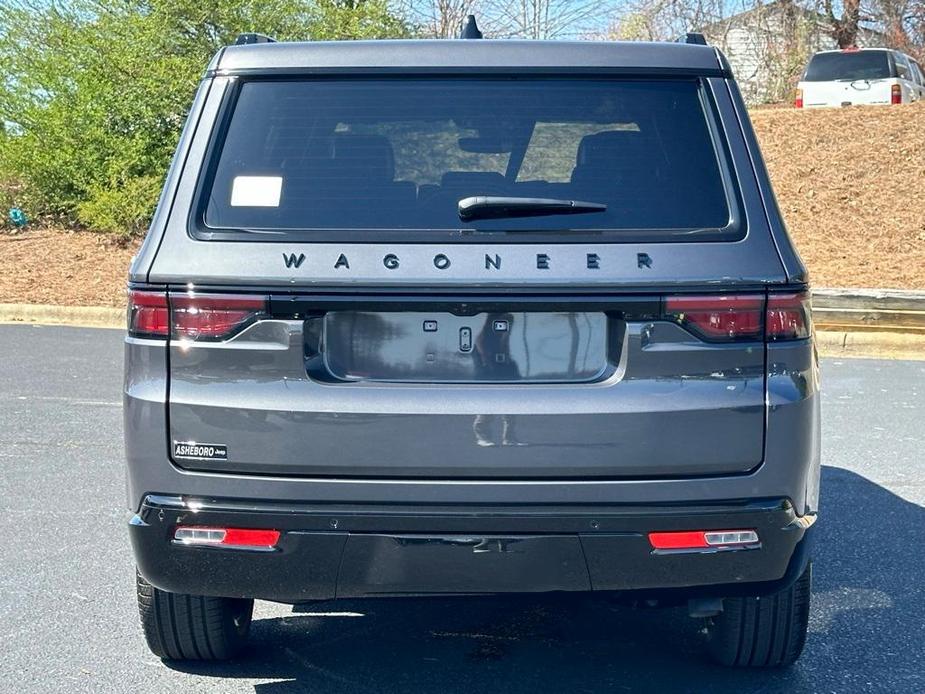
(860, 76)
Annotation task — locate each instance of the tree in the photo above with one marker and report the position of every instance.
(330, 20)
(439, 19)
(845, 27)
(540, 19)
(916, 31)
(665, 20)
(526, 19)
(903, 22)
(96, 91)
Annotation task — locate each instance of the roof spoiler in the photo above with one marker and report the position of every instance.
(250, 39)
(692, 38)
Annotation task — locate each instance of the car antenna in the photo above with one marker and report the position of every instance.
(251, 39)
(692, 37)
(471, 30)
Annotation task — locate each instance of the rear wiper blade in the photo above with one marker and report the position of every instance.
(490, 207)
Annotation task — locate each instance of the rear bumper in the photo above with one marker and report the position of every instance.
(347, 551)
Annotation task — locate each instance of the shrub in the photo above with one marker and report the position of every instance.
(94, 93)
(123, 209)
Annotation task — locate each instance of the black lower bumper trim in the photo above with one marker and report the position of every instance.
(327, 551)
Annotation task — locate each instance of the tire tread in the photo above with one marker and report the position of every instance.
(192, 627)
(767, 631)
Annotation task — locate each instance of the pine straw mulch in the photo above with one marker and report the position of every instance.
(51, 266)
(851, 185)
(850, 182)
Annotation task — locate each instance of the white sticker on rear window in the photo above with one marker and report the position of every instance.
(256, 191)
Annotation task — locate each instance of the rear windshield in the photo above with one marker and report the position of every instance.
(385, 154)
(852, 65)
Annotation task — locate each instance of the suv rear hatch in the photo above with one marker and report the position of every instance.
(347, 320)
(473, 387)
(850, 77)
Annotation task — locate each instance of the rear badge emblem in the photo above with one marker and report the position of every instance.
(191, 450)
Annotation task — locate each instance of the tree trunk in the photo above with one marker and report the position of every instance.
(845, 30)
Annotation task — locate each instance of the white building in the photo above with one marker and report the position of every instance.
(769, 46)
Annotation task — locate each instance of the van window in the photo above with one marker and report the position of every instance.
(849, 66)
(365, 154)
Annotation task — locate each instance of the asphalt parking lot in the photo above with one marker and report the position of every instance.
(67, 605)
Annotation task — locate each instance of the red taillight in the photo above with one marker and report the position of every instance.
(147, 314)
(723, 318)
(703, 539)
(212, 316)
(798, 99)
(788, 317)
(718, 318)
(896, 94)
(227, 537)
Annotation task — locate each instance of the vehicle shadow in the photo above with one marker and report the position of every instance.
(866, 630)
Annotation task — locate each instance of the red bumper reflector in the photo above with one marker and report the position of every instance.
(228, 537)
(678, 540)
(702, 539)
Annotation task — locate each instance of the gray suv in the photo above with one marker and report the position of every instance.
(467, 317)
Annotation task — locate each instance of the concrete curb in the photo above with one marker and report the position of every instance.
(87, 316)
(872, 344)
(877, 310)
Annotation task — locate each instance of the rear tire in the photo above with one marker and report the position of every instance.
(769, 631)
(192, 627)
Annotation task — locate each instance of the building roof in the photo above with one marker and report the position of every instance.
(448, 56)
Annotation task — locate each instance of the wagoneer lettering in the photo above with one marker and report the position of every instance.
(442, 261)
(534, 330)
(293, 260)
